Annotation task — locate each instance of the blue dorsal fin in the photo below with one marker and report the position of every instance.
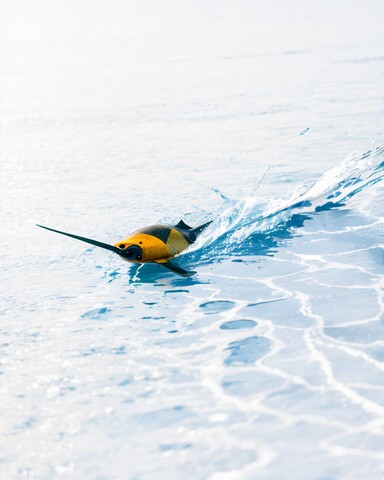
(182, 224)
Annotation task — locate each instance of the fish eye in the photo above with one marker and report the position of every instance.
(141, 243)
(122, 245)
(139, 257)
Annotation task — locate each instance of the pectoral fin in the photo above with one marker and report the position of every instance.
(175, 268)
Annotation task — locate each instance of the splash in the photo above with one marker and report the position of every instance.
(255, 226)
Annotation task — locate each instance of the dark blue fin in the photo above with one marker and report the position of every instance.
(195, 232)
(182, 224)
(176, 269)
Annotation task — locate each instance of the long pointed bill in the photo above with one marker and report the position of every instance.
(86, 240)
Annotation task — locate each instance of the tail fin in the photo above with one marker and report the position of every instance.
(195, 232)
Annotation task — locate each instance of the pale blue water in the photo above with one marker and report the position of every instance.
(267, 118)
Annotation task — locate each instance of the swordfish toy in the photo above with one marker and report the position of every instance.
(153, 244)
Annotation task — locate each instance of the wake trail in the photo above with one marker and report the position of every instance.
(251, 221)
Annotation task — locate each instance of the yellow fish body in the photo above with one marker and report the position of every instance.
(155, 243)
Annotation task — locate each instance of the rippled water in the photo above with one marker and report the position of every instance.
(266, 118)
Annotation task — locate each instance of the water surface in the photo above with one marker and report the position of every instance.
(267, 118)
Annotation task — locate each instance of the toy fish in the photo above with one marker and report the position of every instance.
(153, 244)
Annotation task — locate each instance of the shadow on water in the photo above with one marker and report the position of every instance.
(159, 276)
(154, 275)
